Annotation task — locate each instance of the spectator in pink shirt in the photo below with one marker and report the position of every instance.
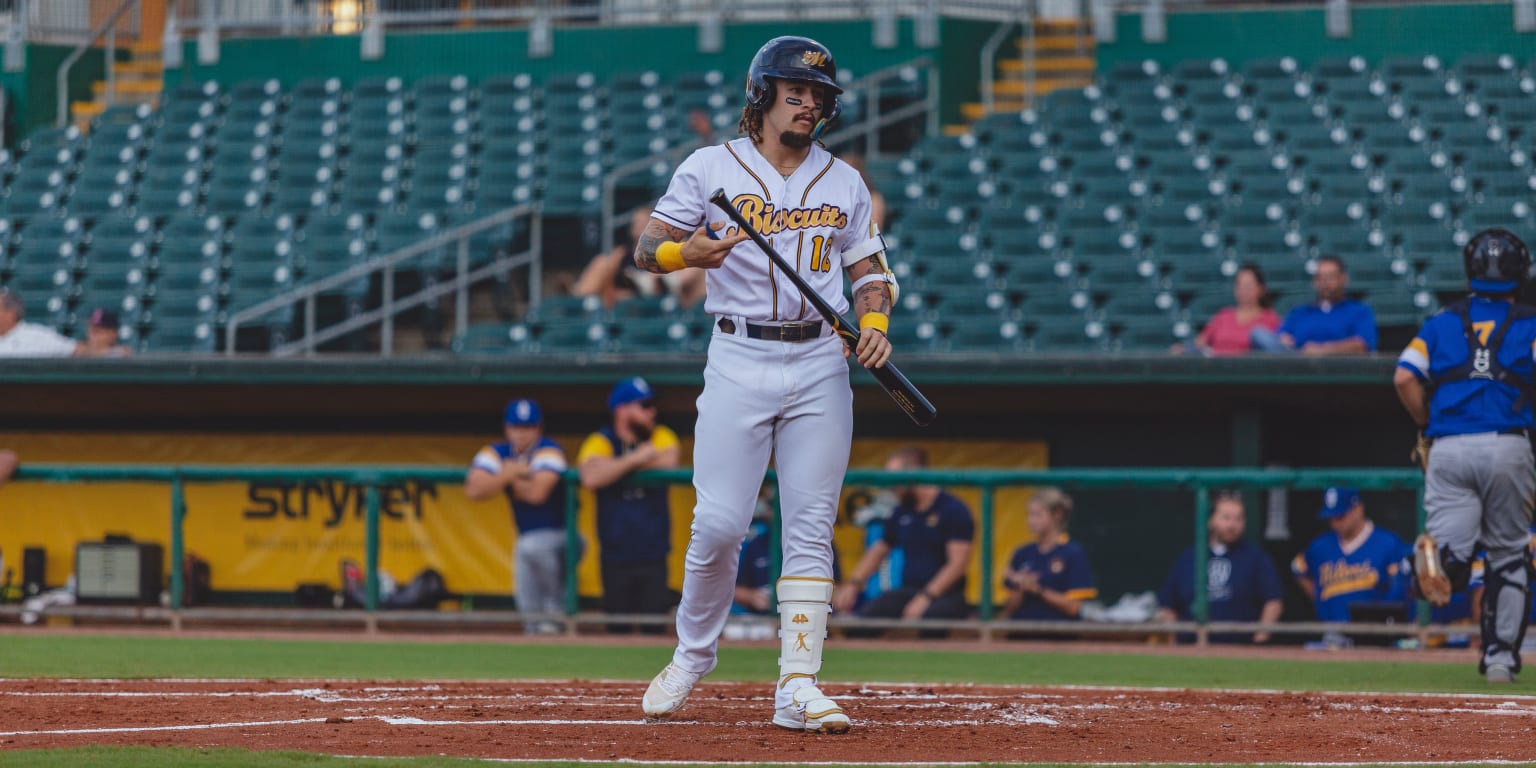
(1229, 332)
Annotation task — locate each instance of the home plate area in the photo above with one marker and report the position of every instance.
(729, 722)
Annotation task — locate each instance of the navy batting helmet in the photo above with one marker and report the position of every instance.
(794, 58)
(1496, 261)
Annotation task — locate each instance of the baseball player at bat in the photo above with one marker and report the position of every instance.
(1467, 380)
(776, 382)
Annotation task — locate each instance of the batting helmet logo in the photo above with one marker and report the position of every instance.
(794, 58)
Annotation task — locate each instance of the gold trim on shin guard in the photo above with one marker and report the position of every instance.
(804, 603)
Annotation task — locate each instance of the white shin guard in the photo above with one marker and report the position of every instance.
(804, 603)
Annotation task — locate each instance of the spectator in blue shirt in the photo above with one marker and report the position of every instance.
(1241, 582)
(935, 532)
(1333, 325)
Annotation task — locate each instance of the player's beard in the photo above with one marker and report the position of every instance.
(795, 139)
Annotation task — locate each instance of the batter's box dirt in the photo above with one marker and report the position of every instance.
(729, 722)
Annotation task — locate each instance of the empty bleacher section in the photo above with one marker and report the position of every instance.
(229, 193)
(1112, 217)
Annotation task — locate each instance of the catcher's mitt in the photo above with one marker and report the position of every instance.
(1420, 453)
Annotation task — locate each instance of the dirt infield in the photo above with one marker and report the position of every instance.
(728, 722)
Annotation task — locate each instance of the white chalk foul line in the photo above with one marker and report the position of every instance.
(154, 728)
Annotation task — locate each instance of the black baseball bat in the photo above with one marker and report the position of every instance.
(891, 380)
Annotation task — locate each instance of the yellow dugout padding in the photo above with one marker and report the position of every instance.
(272, 536)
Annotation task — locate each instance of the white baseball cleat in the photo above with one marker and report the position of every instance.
(1434, 585)
(812, 711)
(668, 691)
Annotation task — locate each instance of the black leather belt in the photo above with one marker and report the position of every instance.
(1521, 431)
(789, 332)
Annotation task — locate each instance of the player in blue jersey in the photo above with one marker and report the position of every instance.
(1050, 578)
(1355, 562)
(1467, 380)
(1241, 583)
(526, 468)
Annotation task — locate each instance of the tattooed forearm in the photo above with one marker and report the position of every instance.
(656, 233)
(874, 296)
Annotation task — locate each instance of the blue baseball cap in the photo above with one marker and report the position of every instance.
(522, 413)
(629, 391)
(1337, 501)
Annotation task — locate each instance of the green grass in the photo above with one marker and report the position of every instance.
(44, 656)
(235, 758)
(132, 656)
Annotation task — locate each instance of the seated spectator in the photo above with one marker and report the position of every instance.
(1230, 331)
(613, 277)
(101, 335)
(1049, 579)
(1241, 582)
(935, 532)
(876, 199)
(700, 125)
(1355, 563)
(19, 338)
(1333, 325)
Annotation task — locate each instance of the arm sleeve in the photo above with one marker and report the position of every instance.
(1300, 566)
(1269, 580)
(594, 447)
(685, 201)
(962, 527)
(663, 438)
(888, 532)
(1365, 326)
(1415, 356)
(1288, 325)
(1168, 596)
(859, 227)
(548, 459)
(487, 460)
(1080, 577)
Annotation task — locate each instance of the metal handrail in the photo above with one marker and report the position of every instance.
(869, 128)
(989, 64)
(1199, 480)
(610, 12)
(61, 80)
(386, 263)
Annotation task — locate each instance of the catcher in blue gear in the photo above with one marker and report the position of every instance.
(1467, 380)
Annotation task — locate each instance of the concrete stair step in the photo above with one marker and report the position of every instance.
(974, 111)
(1053, 64)
(99, 88)
(153, 67)
(1057, 43)
(1040, 87)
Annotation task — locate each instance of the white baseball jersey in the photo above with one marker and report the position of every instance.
(811, 218)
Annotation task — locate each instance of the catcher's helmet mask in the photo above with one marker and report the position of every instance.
(794, 58)
(1496, 261)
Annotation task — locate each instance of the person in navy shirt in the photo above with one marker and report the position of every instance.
(1241, 584)
(1355, 562)
(935, 532)
(1333, 325)
(1048, 579)
(526, 468)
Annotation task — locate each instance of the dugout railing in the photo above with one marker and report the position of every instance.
(1200, 482)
